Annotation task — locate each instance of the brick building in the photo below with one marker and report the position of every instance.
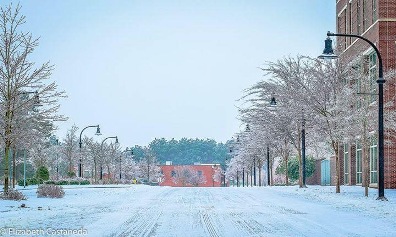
(376, 21)
(202, 175)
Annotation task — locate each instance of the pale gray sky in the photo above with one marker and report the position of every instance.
(151, 69)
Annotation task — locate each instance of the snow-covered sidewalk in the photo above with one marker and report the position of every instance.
(139, 210)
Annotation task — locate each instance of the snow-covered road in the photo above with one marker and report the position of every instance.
(164, 211)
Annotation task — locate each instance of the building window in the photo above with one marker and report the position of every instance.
(173, 173)
(373, 75)
(374, 4)
(349, 22)
(358, 19)
(359, 163)
(346, 39)
(346, 164)
(364, 15)
(373, 161)
(342, 28)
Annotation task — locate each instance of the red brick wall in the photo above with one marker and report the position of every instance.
(315, 178)
(208, 171)
(381, 30)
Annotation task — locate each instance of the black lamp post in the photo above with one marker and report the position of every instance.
(101, 152)
(254, 170)
(273, 104)
(268, 167)
(303, 151)
(328, 53)
(57, 159)
(80, 173)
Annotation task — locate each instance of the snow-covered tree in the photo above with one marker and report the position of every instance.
(69, 150)
(308, 92)
(149, 166)
(21, 116)
(187, 175)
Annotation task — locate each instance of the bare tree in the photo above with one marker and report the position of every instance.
(149, 167)
(18, 75)
(94, 152)
(69, 149)
(187, 175)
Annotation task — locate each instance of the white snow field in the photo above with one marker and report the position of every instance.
(139, 210)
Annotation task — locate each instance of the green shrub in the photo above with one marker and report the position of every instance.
(20, 182)
(62, 182)
(293, 168)
(32, 181)
(85, 182)
(74, 182)
(50, 190)
(71, 174)
(50, 182)
(42, 174)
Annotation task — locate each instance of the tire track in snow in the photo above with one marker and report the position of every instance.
(250, 226)
(144, 221)
(208, 224)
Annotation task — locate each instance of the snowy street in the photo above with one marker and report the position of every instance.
(164, 211)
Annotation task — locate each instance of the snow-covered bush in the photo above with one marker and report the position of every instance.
(13, 195)
(50, 190)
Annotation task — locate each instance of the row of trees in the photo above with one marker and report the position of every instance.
(187, 151)
(102, 162)
(334, 101)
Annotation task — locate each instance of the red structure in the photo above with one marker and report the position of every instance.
(205, 175)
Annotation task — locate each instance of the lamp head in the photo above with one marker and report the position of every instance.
(273, 101)
(328, 52)
(116, 140)
(98, 131)
(247, 129)
(36, 99)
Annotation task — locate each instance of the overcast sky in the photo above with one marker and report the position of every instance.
(152, 69)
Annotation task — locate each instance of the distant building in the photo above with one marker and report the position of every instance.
(203, 175)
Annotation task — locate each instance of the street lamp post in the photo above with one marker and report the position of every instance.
(101, 151)
(273, 104)
(303, 151)
(268, 167)
(80, 172)
(328, 53)
(254, 170)
(57, 160)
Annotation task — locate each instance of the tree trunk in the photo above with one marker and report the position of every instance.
(237, 178)
(300, 171)
(337, 163)
(272, 177)
(259, 165)
(247, 178)
(14, 154)
(287, 169)
(95, 170)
